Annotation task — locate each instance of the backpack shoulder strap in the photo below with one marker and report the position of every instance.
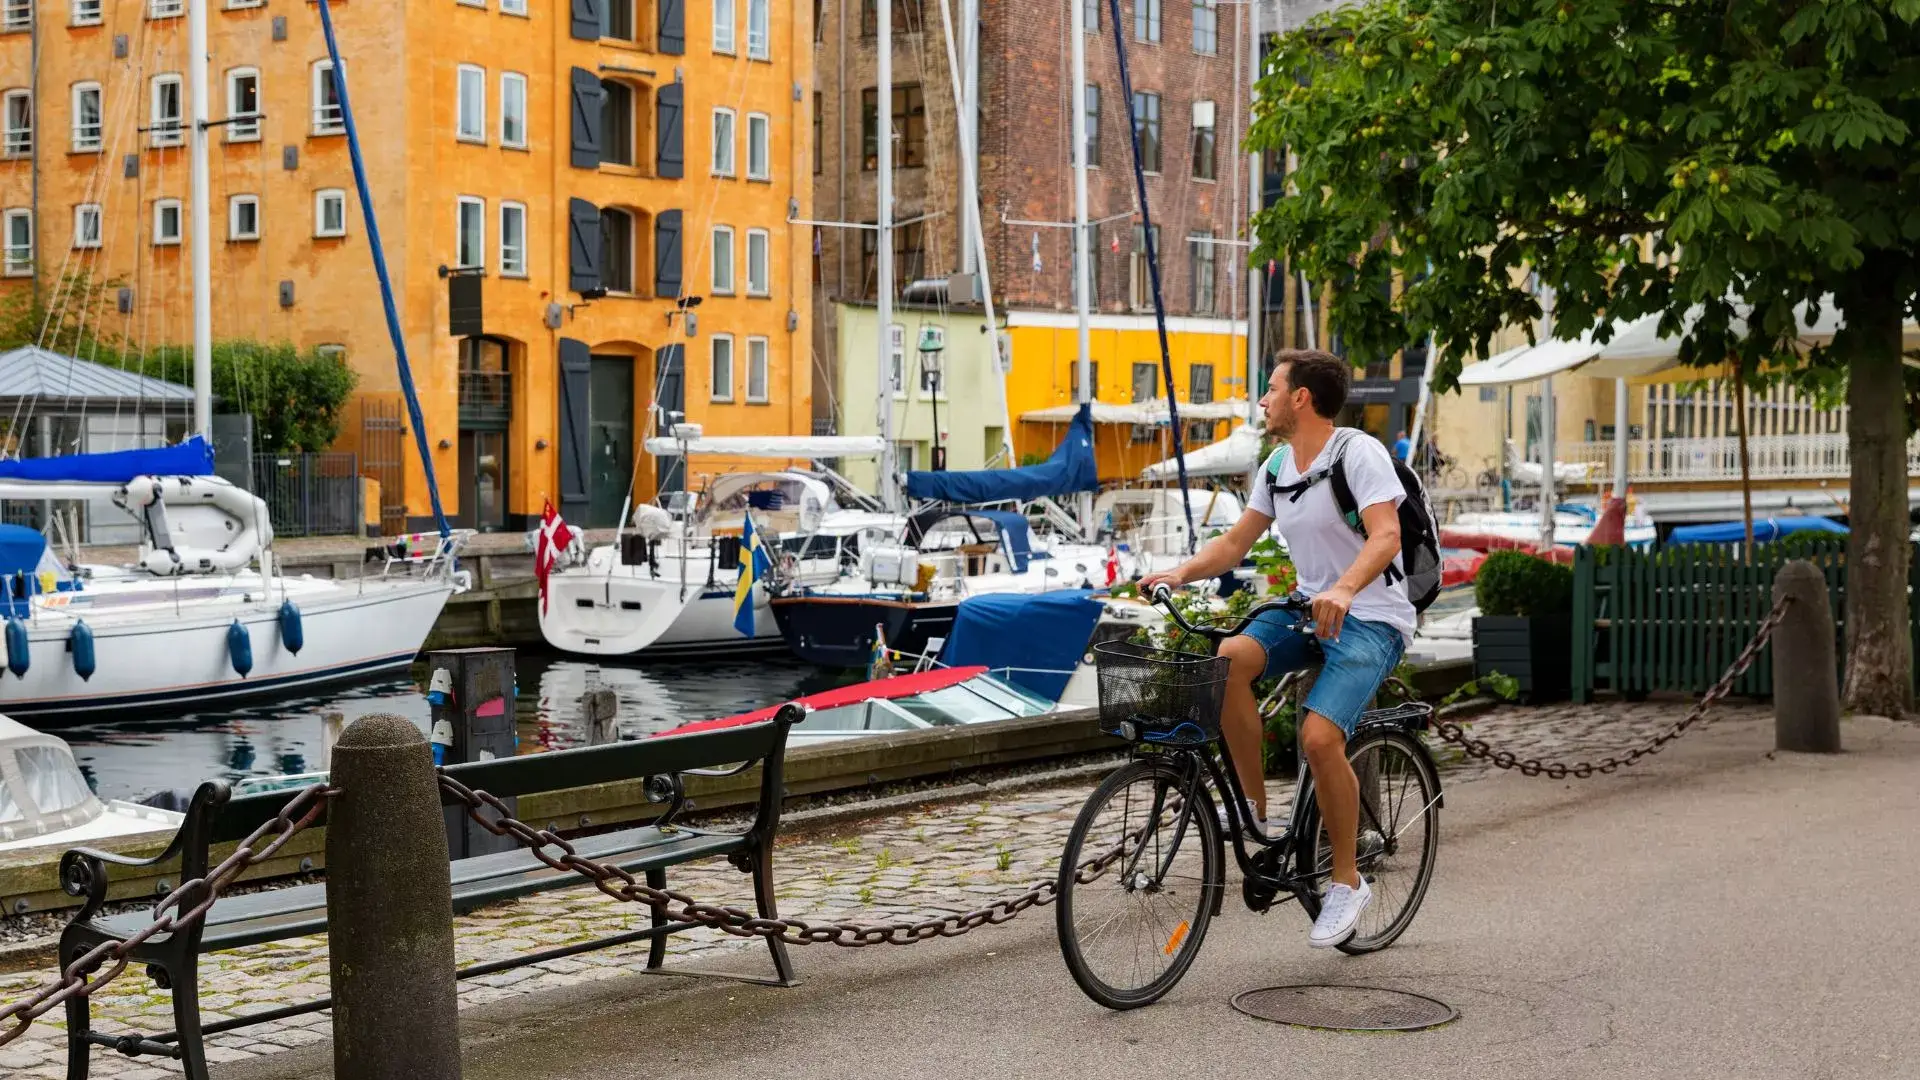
(1342, 491)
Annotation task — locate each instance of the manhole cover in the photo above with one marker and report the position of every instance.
(1345, 1008)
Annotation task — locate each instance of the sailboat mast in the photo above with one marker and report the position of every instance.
(201, 227)
(883, 252)
(1082, 244)
(1256, 191)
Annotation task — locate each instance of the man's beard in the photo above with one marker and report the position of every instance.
(1283, 421)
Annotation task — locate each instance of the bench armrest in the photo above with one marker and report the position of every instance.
(83, 870)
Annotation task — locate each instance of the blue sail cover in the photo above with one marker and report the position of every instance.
(1033, 640)
(1764, 531)
(1070, 469)
(191, 458)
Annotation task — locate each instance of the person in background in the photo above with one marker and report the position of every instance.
(1402, 447)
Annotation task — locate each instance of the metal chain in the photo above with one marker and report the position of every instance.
(79, 978)
(621, 885)
(1507, 759)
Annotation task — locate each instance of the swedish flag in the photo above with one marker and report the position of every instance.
(753, 563)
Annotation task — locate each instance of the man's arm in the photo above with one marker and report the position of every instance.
(1222, 553)
(1382, 520)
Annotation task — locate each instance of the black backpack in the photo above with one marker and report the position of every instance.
(1419, 535)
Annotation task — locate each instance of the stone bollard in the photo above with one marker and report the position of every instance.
(1806, 681)
(390, 909)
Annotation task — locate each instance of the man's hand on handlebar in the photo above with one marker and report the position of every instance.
(1152, 583)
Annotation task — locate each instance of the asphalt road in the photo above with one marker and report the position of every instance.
(1717, 912)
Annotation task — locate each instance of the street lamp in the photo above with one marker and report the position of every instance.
(933, 344)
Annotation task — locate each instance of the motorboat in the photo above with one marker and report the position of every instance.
(667, 587)
(917, 701)
(1572, 524)
(46, 805)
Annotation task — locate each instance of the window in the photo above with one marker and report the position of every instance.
(757, 241)
(19, 123)
(722, 387)
(472, 3)
(243, 105)
(723, 260)
(473, 104)
(909, 128)
(513, 239)
(906, 17)
(85, 13)
(759, 43)
(1206, 26)
(759, 163)
(723, 142)
(86, 118)
(1146, 382)
(1203, 142)
(1093, 127)
(166, 222)
(1093, 371)
(819, 133)
(1146, 20)
(329, 212)
(165, 126)
(897, 358)
(1092, 14)
(513, 110)
(236, 4)
(243, 217)
(757, 369)
(1146, 128)
(723, 15)
(1093, 267)
(470, 233)
(616, 123)
(327, 118)
(166, 9)
(1200, 265)
(86, 225)
(19, 254)
(513, 7)
(1201, 376)
(909, 252)
(1140, 278)
(617, 20)
(616, 250)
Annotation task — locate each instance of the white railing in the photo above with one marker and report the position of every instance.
(1772, 457)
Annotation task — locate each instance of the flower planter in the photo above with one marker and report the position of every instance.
(1535, 650)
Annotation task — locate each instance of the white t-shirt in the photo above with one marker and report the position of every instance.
(1322, 545)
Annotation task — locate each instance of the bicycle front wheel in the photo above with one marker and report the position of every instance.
(1138, 882)
(1399, 836)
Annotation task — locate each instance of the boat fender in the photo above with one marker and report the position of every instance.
(17, 652)
(239, 648)
(292, 634)
(80, 644)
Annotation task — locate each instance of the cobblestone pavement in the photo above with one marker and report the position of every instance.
(932, 861)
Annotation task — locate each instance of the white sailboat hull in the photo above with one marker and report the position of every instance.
(620, 610)
(152, 649)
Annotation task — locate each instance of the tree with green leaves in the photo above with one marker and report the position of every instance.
(1733, 167)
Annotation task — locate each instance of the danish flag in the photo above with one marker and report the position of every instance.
(556, 536)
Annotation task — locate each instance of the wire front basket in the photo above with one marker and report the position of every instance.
(1158, 696)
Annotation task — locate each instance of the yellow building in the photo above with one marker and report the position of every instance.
(597, 169)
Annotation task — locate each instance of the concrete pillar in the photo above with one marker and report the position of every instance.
(390, 909)
(1806, 680)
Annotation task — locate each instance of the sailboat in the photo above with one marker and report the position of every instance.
(203, 613)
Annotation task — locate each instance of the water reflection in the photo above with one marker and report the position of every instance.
(129, 759)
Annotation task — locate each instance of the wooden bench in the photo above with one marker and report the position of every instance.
(235, 921)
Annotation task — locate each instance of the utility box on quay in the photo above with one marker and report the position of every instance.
(472, 693)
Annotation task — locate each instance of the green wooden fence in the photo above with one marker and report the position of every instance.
(1675, 619)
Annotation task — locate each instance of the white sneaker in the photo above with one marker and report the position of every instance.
(1266, 827)
(1340, 912)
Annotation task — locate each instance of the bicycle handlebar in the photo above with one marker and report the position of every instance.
(1297, 603)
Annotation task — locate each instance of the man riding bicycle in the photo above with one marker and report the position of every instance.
(1362, 617)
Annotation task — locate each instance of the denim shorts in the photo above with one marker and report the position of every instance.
(1357, 662)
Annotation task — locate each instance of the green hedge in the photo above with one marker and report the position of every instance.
(1518, 583)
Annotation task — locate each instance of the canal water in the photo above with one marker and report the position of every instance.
(133, 758)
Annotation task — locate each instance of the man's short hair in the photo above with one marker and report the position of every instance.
(1324, 376)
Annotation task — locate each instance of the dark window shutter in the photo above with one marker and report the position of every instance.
(586, 20)
(666, 255)
(576, 366)
(673, 27)
(670, 471)
(669, 157)
(589, 104)
(583, 245)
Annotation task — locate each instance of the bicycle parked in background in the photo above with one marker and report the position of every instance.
(1144, 870)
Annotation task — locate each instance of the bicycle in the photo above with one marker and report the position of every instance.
(1168, 706)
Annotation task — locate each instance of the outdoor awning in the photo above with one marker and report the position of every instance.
(1140, 412)
(771, 446)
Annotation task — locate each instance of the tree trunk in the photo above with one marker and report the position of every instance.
(1879, 678)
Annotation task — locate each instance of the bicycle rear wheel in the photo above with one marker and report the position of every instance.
(1138, 881)
(1399, 836)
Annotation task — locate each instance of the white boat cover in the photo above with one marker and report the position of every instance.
(1141, 412)
(772, 446)
(1235, 455)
